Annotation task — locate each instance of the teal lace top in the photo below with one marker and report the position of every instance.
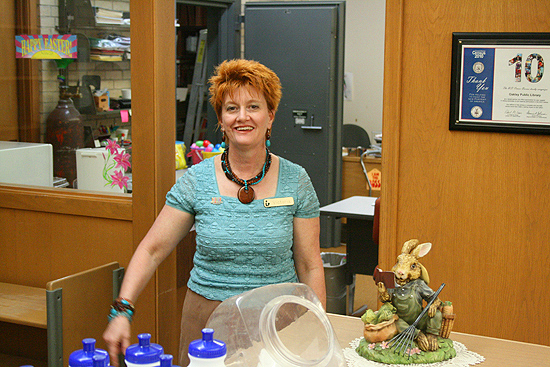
(241, 246)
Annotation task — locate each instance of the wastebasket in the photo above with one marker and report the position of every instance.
(335, 281)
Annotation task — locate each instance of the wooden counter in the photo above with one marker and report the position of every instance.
(497, 352)
(354, 182)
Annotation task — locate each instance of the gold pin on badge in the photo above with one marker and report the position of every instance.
(274, 202)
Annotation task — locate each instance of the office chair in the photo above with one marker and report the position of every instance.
(354, 136)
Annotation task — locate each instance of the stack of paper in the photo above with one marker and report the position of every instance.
(107, 50)
(109, 16)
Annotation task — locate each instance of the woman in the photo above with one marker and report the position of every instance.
(243, 240)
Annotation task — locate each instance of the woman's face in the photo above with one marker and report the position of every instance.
(245, 118)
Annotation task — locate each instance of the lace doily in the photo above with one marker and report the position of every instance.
(464, 358)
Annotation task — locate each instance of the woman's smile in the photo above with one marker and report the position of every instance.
(244, 128)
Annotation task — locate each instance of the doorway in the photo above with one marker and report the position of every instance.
(221, 20)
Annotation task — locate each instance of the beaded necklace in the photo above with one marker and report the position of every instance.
(246, 193)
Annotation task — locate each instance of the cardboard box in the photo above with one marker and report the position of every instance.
(101, 103)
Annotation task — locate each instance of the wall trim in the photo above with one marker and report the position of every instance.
(391, 127)
(67, 201)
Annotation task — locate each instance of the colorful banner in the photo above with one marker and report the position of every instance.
(46, 46)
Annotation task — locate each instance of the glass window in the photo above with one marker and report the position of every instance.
(72, 107)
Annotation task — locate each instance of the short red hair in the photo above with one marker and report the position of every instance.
(233, 74)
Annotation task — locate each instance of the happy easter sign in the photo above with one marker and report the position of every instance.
(46, 46)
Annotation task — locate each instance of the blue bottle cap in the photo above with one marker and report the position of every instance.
(84, 357)
(166, 360)
(207, 347)
(144, 352)
(98, 360)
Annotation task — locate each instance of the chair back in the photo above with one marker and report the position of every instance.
(355, 136)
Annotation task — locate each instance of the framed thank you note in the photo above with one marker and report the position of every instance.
(498, 82)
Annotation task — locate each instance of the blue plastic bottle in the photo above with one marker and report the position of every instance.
(143, 354)
(99, 360)
(207, 352)
(84, 357)
(166, 360)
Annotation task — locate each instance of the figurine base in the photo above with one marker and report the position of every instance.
(380, 352)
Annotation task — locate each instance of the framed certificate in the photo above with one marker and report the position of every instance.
(498, 82)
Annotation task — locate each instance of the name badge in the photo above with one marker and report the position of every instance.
(273, 202)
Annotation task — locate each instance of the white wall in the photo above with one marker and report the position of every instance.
(364, 58)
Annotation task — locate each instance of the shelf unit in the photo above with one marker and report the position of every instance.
(78, 17)
(191, 19)
(80, 14)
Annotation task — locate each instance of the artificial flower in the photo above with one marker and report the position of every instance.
(122, 160)
(112, 146)
(119, 179)
(111, 175)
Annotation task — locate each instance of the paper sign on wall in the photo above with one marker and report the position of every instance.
(46, 46)
(375, 178)
(124, 116)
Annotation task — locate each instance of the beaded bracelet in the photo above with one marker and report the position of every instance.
(122, 307)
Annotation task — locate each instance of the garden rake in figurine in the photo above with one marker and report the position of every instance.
(403, 341)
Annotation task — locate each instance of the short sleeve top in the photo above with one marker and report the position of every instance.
(242, 246)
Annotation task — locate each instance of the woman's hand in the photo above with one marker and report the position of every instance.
(117, 338)
(169, 228)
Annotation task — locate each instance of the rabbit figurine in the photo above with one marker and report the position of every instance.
(412, 279)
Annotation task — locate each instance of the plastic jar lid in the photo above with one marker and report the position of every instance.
(83, 358)
(277, 349)
(207, 347)
(144, 352)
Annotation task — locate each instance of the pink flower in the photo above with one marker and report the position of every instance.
(413, 351)
(384, 345)
(119, 179)
(372, 345)
(112, 146)
(122, 160)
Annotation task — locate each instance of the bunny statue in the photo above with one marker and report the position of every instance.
(411, 287)
(403, 330)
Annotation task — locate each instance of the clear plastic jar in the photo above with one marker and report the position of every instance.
(280, 325)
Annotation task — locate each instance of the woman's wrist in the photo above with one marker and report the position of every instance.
(122, 307)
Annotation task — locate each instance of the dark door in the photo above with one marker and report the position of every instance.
(303, 42)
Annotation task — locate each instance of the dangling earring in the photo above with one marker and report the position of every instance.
(267, 137)
(223, 140)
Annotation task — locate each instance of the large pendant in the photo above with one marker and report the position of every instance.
(246, 196)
